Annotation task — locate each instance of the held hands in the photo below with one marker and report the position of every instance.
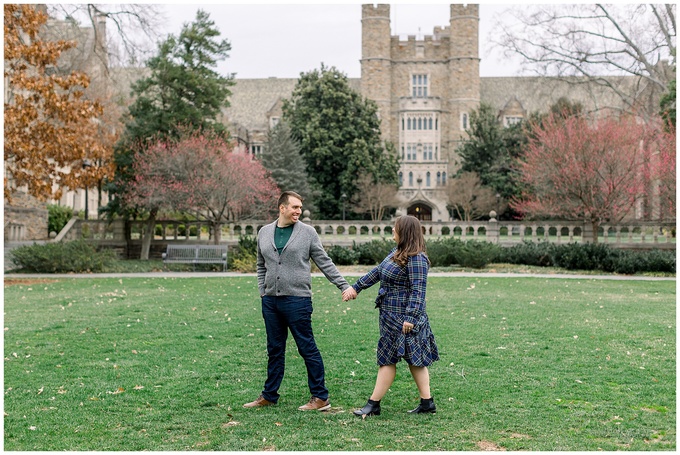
(407, 327)
(349, 294)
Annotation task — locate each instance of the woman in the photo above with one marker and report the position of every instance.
(404, 326)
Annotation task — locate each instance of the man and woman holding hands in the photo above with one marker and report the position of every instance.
(284, 250)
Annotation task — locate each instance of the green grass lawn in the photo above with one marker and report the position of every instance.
(167, 363)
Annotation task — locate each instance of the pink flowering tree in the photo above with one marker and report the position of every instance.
(200, 175)
(577, 169)
(665, 175)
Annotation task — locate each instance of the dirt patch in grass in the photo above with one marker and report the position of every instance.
(489, 446)
(27, 281)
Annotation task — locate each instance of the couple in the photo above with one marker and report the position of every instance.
(284, 249)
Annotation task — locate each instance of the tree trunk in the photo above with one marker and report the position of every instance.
(148, 235)
(596, 228)
(217, 233)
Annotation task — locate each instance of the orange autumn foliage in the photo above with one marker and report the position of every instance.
(50, 128)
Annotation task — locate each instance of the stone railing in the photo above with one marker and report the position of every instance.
(14, 232)
(505, 233)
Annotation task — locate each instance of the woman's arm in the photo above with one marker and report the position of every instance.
(367, 280)
(417, 275)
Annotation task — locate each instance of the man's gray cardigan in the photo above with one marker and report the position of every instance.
(289, 273)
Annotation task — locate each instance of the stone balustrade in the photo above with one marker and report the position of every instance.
(505, 233)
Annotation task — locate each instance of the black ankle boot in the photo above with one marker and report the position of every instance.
(426, 406)
(372, 408)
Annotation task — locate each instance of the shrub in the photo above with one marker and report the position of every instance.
(244, 258)
(442, 251)
(57, 217)
(373, 252)
(343, 256)
(245, 262)
(586, 256)
(661, 261)
(62, 257)
(476, 254)
(630, 262)
(528, 253)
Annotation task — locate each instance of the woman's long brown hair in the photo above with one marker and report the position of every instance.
(411, 239)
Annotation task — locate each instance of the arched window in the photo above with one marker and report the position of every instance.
(430, 123)
(427, 179)
(410, 179)
(443, 178)
(401, 179)
(439, 178)
(420, 123)
(408, 123)
(465, 121)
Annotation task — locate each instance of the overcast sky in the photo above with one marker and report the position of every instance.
(281, 40)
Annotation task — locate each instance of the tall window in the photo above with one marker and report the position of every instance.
(410, 179)
(439, 178)
(401, 179)
(427, 179)
(411, 152)
(419, 85)
(427, 152)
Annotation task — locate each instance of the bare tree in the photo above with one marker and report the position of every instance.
(132, 29)
(469, 198)
(594, 42)
(374, 198)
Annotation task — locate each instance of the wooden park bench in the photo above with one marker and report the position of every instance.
(196, 254)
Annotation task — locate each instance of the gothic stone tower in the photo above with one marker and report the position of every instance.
(425, 88)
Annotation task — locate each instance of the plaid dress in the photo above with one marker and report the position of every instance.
(401, 297)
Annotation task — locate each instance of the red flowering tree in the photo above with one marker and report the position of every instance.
(665, 168)
(577, 169)
(200, 175)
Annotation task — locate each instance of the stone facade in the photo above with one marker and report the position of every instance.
(25, 218)
(425, 89)
(434, 78)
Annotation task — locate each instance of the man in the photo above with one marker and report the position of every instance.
(284, 278)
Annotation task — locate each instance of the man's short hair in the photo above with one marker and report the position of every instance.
(283, 199)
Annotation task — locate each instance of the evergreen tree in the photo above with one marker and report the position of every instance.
(183, 89)
(281, 157)
(667, 104)
(491, 151)
(339, 136)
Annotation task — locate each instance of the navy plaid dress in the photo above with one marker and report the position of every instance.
(401, 297)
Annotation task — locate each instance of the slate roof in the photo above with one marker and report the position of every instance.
(251, 99)
(537, 94)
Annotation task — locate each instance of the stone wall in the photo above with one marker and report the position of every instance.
(28, 212)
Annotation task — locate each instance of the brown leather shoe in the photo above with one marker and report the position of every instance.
(258, 403)
(316, 404)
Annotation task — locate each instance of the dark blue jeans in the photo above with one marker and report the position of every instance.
(295, 314)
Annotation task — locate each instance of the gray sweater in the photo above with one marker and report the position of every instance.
(290, 272)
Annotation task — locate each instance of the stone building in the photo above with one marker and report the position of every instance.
(425, 88)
